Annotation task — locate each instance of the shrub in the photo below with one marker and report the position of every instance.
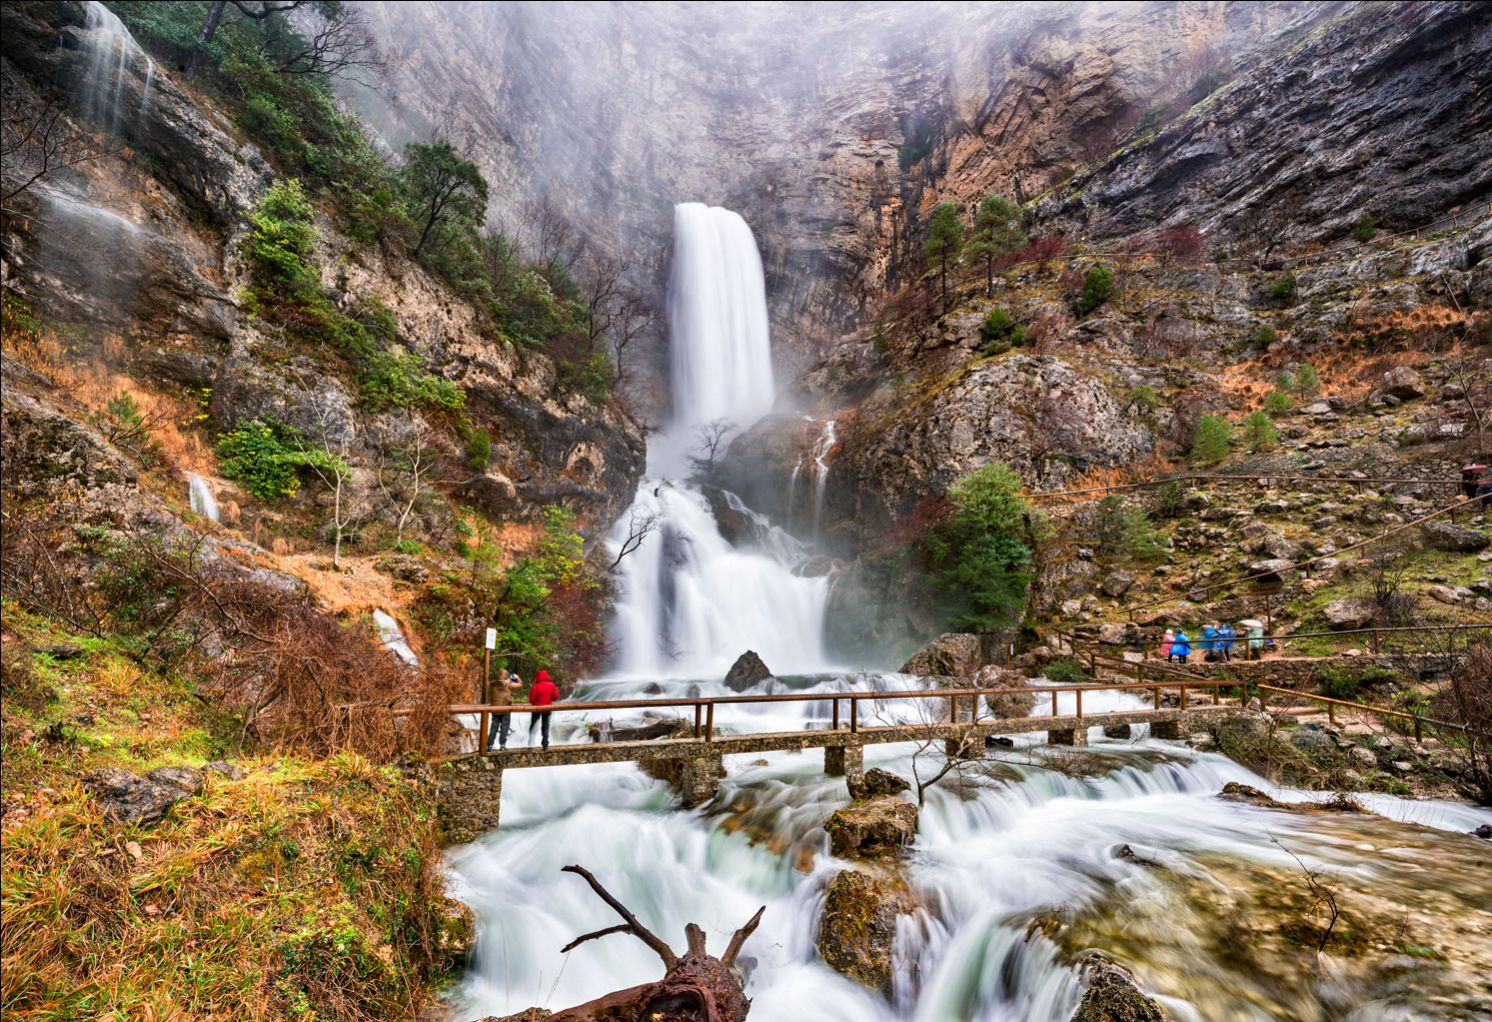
(982, 557)
(1170, 499)
(1277, 403)
(1307, 383)
(478, 448)
(1284, 381)
(1365, 230)
(1283, 289)
(280, 240)
(267, 459)
(1066, 671)
(1098, 287)
(1144, 398)
(1259, 432)
(1210, 445)
(1001, 333)
(1124, 530)
(1264, 334)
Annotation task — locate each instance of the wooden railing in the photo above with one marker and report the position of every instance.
(850, 721)
(1241, 641)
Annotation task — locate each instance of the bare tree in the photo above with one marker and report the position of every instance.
(339, 45)
(551, 234)
(1324, 896)
(258, 12)
(1475, 383)
(600, 280)
(36, 140)
(640, 524)
(406, 477)
(328, 457)
(710, 442)
(633, 319)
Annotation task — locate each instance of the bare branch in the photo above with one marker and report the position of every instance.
(594, 934)
(642, 933)
(740, 937)
(640, 525)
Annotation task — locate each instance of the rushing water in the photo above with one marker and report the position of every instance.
(201, 498)
(112, 57)
(1004, 846)
(393, 637)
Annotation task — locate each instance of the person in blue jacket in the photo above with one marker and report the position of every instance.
(1227, 634)
(1181, 646)
(1208, 645)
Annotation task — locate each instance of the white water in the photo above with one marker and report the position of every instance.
(821, 450)
(393, 637)
(200, 495)
(112, 55)
(690, 601)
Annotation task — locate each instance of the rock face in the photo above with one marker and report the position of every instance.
(1006, 704)
(1403, 383)
(952, 654)
(748, 670)
(875, 783)
(1456, 538)
(873, 829)
(858, 926)
(1112, 996)
(131, 800)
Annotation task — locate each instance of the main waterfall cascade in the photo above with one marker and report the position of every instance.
(1011, 847)
(691, 600)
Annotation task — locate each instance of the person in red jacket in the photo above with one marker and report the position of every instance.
(543, 693)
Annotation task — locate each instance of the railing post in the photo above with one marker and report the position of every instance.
(974, 708)
(854, 715)
(482, 734)
(834, 715)
(1419, 733)
(1183, 697)
(1331, 713)
(1156, 692)
(1054, 704)
(1080, 704)
(953, 709)
(1375, 641)
(709, 720)
(1093, 663)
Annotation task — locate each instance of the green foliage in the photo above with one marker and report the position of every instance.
(1170, 499)
(1283, 289)
(1210, 445)
(945, 235)
(1124, 531)
(280, 240)
(998, 231)
(1000, 333)
(1365, 229)
(1259, 432)
(1277, 403)
(1143, 397)
(1348, 681)
(529, 626)
(1066, 671)
(983, 557)
(446, 196)
(1098, 287)
(478, 448)
(589, 375)
(268, 459)
(1264, 334)
(1307, 382)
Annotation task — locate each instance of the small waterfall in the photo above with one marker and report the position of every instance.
(112, 55)
(393, 638)
(200, 495)
(821, 450)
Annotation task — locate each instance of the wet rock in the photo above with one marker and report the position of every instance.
(1403, 383)
(871, 829)
(858, 927)
(526, 1015)
(665, 728)
(141, 800)
(1112, 996)
(1484, 831)
(876, 782)
(1201, 741)
(1235, 792)
(1455, 538)
(747, 671)
(952, 653)
(1122, 731)
(1005, 704)
(1347, 614)
(455, 935)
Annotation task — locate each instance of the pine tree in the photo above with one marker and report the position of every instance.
(997, 232)
(945, 240)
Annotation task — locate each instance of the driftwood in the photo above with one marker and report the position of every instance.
(696, 986)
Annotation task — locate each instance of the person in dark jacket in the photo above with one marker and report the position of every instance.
(543, 693)
(502, 695)
(1226, 634)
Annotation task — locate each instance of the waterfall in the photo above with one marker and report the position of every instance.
(691, 600)
(112, 53)
(200, 495)
(821, 450)
(393, 637)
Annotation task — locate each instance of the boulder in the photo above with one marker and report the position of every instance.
(1117, 584)
(871, 829)
(223, 768)
(1112, 996)
(858, 927)
(1243, 732)
(1454, 538)
(953, 653)
(1275, 570)
(1120, 731)
(142, 800)
(747, 671)
(1403, 383)
(1005, 704)
(1309, 739)
(875, 783)
(1346, 614)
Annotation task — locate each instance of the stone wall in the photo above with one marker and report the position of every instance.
(469, 793)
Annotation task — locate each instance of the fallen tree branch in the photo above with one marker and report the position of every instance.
(618, 928)
(647, 936)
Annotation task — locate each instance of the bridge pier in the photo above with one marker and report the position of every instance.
(695, 779)
(1069, 736)
(969, 745)
(846, 761)
(469, 795)
(1167, 729)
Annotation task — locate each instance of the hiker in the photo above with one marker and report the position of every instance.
(1165, 644)
(502, 695)
(1468, 480)
(1181, 647)
(542, 694)
(1255, 644)
(1227, 634)
(1208, 645)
